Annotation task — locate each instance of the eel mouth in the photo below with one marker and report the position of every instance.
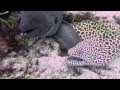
(71, 58)
(29, 31)
(73, 61)
(32, 32)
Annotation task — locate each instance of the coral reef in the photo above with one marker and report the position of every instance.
(9, 32)
(52, 67)
(76, 16)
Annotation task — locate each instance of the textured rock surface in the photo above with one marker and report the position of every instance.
(102, 16)
(52, 67)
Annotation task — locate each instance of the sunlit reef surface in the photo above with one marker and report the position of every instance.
(100, 42)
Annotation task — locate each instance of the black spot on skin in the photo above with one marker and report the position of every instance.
(100, 39)
(107, 43)
(89, 33)
(92, 23)
(106, 36)
(112, 37)
(113, 32)
(94, 27)
(101, 31)
(85, 28)
(110, 40)
(93, 32)
(78, 32)
(103, 34)
(98, 28)
(89, 26)
(86, 25)
(109, 52)
(116, 44)
(110, 34)
(56, 20)
(75, 29)
(117, 41)
(82, 32)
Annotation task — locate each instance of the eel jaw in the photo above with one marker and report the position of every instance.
(73, 61)
(31, 33)
(71, 58)
(28, 31)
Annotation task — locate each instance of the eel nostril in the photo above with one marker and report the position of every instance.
(56, 20)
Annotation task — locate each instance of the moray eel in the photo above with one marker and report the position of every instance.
(100, 43)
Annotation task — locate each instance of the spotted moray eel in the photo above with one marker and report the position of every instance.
(100, 42)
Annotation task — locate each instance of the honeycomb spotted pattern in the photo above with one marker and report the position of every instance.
(100, 42)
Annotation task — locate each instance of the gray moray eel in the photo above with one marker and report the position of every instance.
(40, 23)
